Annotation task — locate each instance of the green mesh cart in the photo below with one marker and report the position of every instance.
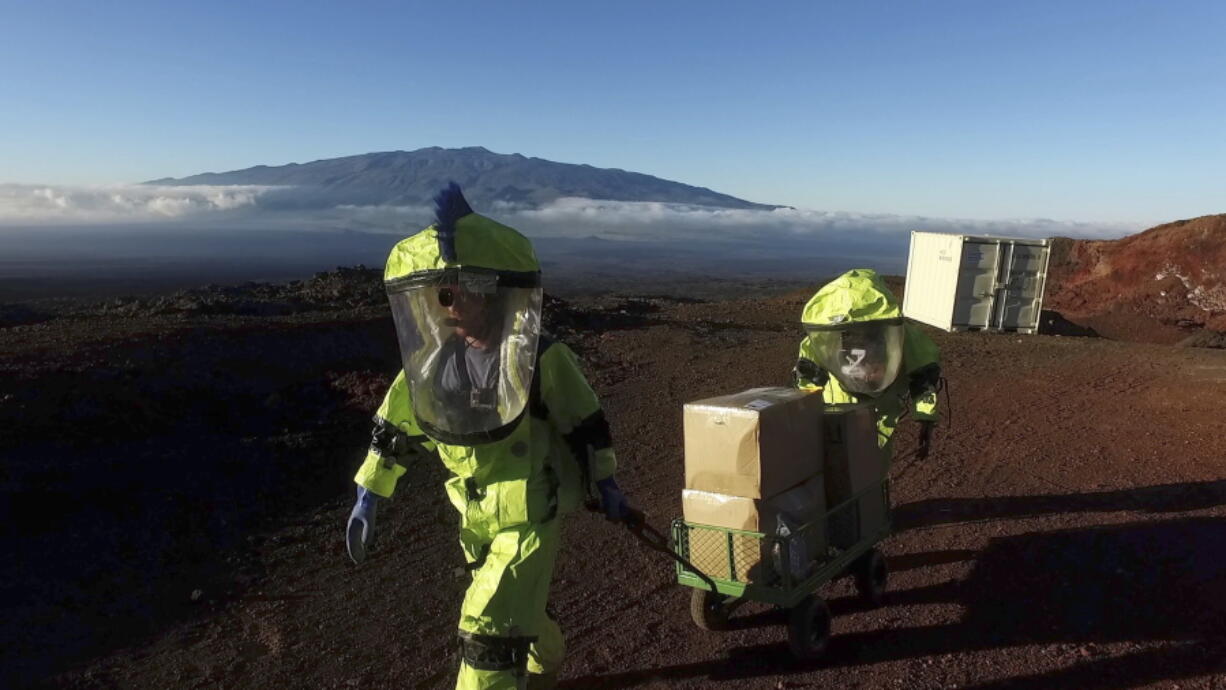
(728, 567)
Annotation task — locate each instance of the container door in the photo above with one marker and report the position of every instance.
(976, 293)
(1020, 287)
(932, 278)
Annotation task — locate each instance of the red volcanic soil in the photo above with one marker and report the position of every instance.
(176, 484)
(1159, 286)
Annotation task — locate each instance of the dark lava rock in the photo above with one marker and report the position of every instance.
(343, 288)
(20, 315)
(1054, 323)
(1210, 339)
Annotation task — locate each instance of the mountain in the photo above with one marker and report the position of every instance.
(409, 178)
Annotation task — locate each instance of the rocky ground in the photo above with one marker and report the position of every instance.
(1165, 285)
(176, 477)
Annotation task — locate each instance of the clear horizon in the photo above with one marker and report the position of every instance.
(1107, 112)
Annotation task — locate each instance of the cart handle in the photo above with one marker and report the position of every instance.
(636, 522)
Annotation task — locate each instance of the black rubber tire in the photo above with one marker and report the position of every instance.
(707, 610)
(809, 628)
(872, 576)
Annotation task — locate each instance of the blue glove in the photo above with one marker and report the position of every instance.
(612, 500)
(360, 534)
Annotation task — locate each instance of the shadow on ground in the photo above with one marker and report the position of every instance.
(1161, 498)
(1152, 583)
(133, 480)
(140, 469)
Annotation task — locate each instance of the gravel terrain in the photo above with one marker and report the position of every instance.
(176, 478)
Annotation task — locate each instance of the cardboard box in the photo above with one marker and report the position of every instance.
(853, 463)
(797, 514)
(755, 444)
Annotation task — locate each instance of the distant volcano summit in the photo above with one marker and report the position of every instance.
(410, 178)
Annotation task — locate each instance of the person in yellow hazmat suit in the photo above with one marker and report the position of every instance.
(858, 348)
(510, 415)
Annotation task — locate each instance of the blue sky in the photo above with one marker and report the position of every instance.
(1110, 111)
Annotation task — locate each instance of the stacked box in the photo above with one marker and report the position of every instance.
(756, 444)
(753, 462)
(796, 515)
(854, 465)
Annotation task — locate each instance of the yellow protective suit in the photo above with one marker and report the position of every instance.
(513, 485)
(860, 296)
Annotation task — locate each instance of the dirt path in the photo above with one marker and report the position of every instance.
(1068, 532)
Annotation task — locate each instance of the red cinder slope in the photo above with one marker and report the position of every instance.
(1156, 286)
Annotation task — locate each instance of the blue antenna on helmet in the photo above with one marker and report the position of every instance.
(449, 206)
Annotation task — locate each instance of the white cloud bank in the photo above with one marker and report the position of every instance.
(57, 205)
(648, 219)
(279, 207)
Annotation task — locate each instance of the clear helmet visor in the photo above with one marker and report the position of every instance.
(468, 343)
(864, 357)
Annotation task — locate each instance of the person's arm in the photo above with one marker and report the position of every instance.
(922, 360)
(575, 411)
(395, 443)
(807, 375)
(923, 364)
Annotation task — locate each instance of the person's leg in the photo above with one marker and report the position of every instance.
(504, 629)
(545, 657)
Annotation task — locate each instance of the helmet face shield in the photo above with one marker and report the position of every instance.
(865, 357)
(468, 340)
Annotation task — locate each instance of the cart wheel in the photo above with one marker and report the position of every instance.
(809, 628)
(707, 609)
(871, 576)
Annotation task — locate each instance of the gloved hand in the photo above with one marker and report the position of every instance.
(925, 439)
(612, 500)
(360, 533)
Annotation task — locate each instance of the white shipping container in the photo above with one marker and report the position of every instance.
(967, 282)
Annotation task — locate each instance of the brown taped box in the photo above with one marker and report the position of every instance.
(853, 462)
(800, 506)
(755, 444)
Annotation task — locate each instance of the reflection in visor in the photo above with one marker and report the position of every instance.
(447, 296)
(857, 367)
(864, 357)
(853, 360)
(468, 346)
